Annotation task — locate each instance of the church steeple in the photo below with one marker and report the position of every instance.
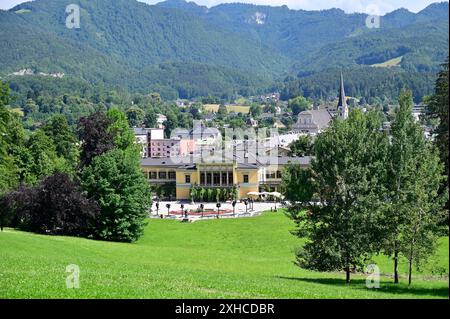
(342, 103)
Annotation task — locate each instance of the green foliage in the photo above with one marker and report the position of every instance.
(303, 146)
(109, 169)
(63, 138)
(165, 191)
(186, 52)
(170, 124)
(5, 97)
(39, 159)
(297, 185)
(115, 180)
(8, 167)
(373, 84)
(218, 194)
(298, 104)
(346, 178)
(372, 195)
(30, 107)
(135, 116)
(210, 194)
(199, 193)
(123, 137)
(150, 119)
(414, 179)
(255, 110)
(142, 44)
(437, 109)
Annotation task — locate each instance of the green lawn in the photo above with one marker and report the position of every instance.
(228, 258)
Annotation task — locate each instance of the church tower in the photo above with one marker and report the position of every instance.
(342, 106)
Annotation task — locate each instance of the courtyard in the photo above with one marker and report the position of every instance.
(194, 211)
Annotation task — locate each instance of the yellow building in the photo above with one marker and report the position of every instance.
(175, 180)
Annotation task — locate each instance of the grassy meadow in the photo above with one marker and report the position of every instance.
(230, 108)
(226, 258)
(389, 63)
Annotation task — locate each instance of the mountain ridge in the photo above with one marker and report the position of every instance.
(237, 48)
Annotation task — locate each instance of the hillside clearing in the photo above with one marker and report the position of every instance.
(389, 63)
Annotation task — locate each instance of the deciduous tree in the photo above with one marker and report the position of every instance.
(55, 206)
(115, 180)
(63, 138)
(94, 136)
(347, 181)
(303, 146)
(413, 189)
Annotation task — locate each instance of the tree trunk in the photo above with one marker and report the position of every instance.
(347, 275)
(395, 264)
(411, 251)
(410, 263)
(410, 271)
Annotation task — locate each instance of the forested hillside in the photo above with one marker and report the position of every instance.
(180, 49)
(128, 43)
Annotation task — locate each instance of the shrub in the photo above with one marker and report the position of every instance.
(55, 206)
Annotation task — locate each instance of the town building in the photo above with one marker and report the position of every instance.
(271, 97)
(251, 122)
(142, 139)
(342, 107)
(144, 136)
(278, 125)
(314, 121)
(160, 119)
(418, 112)
(179, 177)
(164, 147)
(281, 151)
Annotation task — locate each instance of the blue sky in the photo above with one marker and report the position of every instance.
(382, 6)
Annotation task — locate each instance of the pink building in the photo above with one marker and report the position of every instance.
(186, 147)
(164, 147)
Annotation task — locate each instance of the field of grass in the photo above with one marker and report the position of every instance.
(230, 108)
(21, 11)
(389, 63)
(238, 109)
(226, 258)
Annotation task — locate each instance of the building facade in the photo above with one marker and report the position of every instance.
(342, 107)
(314, 121)
(244, 177)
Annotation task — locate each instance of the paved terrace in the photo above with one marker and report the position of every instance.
(209, 210)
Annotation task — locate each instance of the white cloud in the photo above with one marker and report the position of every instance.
(346, 5)
(8, 4)
(384, 6)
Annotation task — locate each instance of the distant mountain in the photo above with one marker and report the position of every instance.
(435, 11)
(121, 39)
(182, 49)
(184, 5)
(311, 36)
